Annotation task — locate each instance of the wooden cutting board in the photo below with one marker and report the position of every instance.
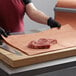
(66, 47)
(66, 37)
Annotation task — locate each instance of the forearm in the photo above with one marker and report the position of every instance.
(36, 14)
(40, 17)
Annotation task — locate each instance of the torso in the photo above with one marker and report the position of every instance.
(11, 15)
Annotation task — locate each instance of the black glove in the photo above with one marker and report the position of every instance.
(3, 32)
(53, 24)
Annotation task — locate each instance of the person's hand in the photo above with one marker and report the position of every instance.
(53, 24)
(3, 33)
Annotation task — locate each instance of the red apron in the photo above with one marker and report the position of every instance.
(11, 15)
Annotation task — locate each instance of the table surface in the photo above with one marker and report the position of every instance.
(33, 68)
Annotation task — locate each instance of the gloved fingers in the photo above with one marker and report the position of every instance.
(53, 24)
(8, 33)
(58, 25)
(2, 32)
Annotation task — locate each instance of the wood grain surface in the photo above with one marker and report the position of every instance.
(66, 37)
(66, 47)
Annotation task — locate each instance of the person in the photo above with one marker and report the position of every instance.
(12, 14)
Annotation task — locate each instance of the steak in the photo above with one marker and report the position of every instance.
(42, 43)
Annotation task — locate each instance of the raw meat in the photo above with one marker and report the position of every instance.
(42, 43)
